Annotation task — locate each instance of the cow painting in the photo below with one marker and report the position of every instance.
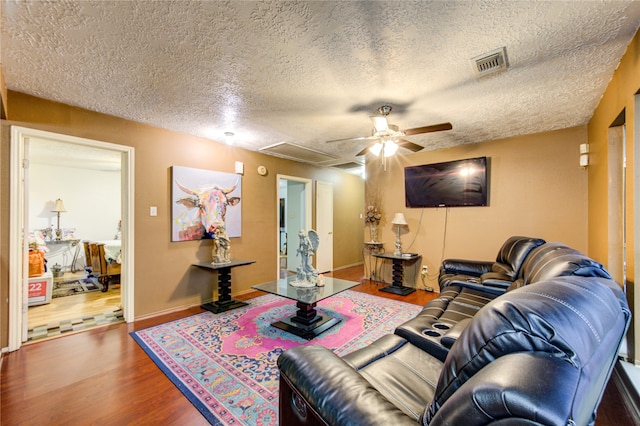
(201, 206)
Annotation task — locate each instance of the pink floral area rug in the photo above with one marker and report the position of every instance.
(225, 364)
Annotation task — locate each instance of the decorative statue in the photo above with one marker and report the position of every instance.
(307, 276)
(221, 246)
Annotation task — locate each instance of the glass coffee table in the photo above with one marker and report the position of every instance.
(306, 323)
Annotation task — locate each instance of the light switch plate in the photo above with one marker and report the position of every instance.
(153, 211)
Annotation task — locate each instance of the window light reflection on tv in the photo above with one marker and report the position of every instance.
(459, 183)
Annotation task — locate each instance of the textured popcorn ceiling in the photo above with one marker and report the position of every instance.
(312, 71)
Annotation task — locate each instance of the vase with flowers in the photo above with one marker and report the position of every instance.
(372, 218)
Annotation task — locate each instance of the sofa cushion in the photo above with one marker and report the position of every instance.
(555, 260)
(554, 319)
(513, 253)
(401, 372)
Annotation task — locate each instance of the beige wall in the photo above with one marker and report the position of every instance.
(164, 278)
(537, 188)
(618, 97)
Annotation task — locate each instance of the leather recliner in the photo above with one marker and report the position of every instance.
(439, 324)
(490, 277)
(538, 355)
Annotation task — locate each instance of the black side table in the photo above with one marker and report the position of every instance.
(397, 286)
(224, 302)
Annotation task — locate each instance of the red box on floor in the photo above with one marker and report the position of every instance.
(40, 288)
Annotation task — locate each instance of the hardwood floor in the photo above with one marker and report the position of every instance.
(102, 377)
(76, 306)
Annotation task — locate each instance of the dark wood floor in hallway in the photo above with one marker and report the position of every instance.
(102, 377)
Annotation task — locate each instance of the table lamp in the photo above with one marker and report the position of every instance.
(58, 208)
(399, 221)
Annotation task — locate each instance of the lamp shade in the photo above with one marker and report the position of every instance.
(399, 219)
(59, 207)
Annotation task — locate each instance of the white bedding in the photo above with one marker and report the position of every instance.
(112, 250)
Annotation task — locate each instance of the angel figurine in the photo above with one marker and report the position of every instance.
(307, 276)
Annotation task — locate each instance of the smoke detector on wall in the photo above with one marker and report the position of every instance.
(490, 62)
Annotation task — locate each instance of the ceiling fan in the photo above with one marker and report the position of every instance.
(387, 138)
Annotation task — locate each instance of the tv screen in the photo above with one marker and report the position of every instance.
(457, 183)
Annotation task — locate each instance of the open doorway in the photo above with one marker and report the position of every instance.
(294, 215)
(67, 177)
(74, 198)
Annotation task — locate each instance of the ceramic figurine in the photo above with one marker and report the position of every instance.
(221, 247)
(306, 276)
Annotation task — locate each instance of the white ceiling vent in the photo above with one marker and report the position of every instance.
(297, 153)
(490, 62)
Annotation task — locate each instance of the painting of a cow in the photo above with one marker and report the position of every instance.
(202, 202)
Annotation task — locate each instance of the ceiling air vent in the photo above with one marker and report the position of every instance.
(490, 62)
(297, 153)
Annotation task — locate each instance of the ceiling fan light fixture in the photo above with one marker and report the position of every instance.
(390, 148)
(376, 148)
(386, 148)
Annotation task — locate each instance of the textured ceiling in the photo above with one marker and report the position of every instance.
(305, 72)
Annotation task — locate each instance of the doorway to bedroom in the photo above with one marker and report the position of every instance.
(74, 199)
(71, 194)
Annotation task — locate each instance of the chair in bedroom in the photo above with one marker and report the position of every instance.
(97, 265)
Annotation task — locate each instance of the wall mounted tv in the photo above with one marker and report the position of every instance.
(460, 183)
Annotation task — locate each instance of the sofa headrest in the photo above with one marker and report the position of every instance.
(553, 260)
(513, 253)
(567, 318)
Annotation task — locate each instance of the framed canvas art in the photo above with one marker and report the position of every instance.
(202, 201)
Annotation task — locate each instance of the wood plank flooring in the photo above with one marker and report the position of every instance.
(102, 377)
(76, 306)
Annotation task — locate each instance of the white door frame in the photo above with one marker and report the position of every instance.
(18, 223)
(308, 189)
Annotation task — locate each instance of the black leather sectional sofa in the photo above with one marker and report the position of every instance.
(536, 349)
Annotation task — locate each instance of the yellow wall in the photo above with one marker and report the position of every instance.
(537, 188)
(164, 278)
(618, 97)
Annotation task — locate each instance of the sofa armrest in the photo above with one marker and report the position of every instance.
(330, 391)
(454, 332)
(465, 267)
(489, 282)
(496, 280)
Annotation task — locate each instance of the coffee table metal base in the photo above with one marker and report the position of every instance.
(306, 323)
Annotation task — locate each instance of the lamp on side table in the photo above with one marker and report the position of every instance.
(58, 208)
(399, 220)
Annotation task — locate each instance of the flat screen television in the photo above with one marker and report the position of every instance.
(460, 183)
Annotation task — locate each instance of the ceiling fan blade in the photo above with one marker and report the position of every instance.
(428, 129)
(363, 152)
(362, 138)
(380, 123)
(409, 145)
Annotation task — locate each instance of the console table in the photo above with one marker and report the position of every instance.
(68, 244)
(224, 302)
(397, 286)
(371, 266)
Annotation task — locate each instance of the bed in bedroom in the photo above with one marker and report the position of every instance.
(104, 258)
